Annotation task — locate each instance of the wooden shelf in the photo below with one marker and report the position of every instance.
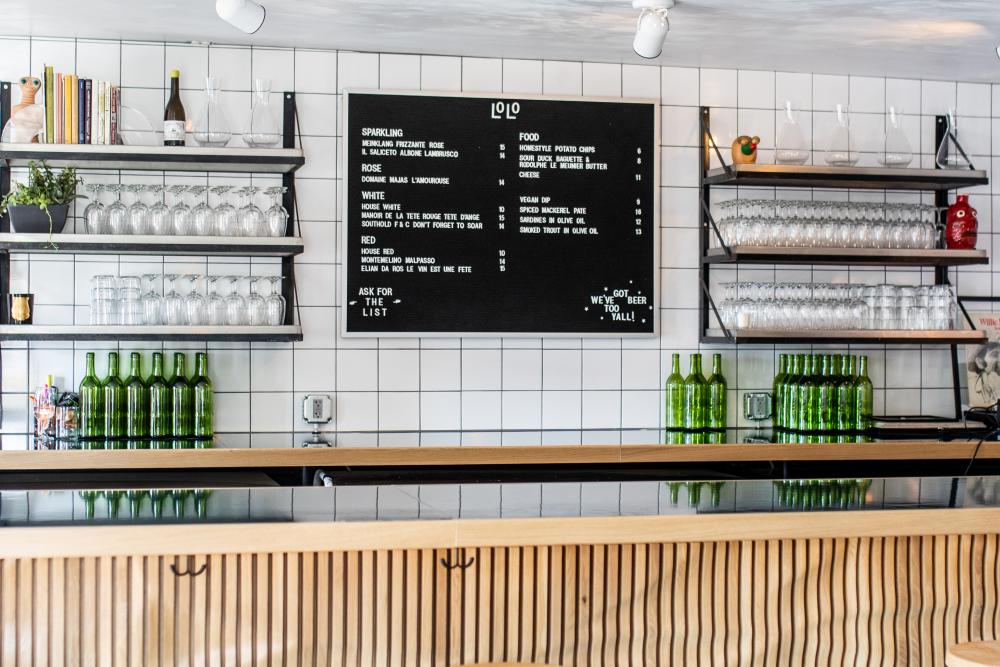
(156, 158)
(33, 332)
(99, 244)
(875, 336)
(845, 256)
(866, 178)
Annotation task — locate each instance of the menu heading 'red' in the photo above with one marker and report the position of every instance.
(499, 215)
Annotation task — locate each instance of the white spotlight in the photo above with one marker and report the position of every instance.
(244, 15)
(652, 28)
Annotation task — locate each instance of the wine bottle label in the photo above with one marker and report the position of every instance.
(173, 130)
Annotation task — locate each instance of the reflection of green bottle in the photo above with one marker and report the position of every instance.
(134, 502)
(136, 399)
(91, 403)
(201, 502)
(203, 409)
(675, 492)
(180, 499)
(89, 503)
(156, 498)
(114, 499)
(864, 398)
(181, 400)
(845, 396)
(114, 402)
(675, 394)
(716, 413)
(779, 389)
(695, 396)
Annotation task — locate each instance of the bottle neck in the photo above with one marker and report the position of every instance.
(863, 368)
(158, 364)
(717, 365)
(113, 364)
(695, 363)
(782, 364)
(675, 364)
(201, 367)
(134, 363)
(90, 363)
(179, 371)
(175, 86)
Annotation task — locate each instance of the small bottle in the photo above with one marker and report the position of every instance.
(716, 413)
(91, 403)
(203, 408)
(136, 400)
(174, 119)
(695, 396)
(181, 401)
(675, 394)
(159, 403)
(864, 398)
(114, 402)
(779, 388)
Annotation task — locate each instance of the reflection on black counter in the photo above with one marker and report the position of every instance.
(137, 499)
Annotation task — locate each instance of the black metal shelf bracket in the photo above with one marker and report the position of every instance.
(715, 228)
(707, 294)
(708, 140)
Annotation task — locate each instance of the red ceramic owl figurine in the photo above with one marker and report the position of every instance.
(962, 228)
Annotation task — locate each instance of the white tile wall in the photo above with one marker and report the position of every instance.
(437, 384)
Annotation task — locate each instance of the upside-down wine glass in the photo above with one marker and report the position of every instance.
(138, 222)
(173, 302)
(275, 303)
(95, 216)
(215, 304)
(226, 219)
(117, 212)
(276, 217)
(152, 302)
(202, 215)
(236, 307)
(180, 213)
(251, 217)
(159, 212)
(256, 307)
(194, 302)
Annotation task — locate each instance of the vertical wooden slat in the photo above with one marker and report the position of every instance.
(584, 603)
(338, 609)
(168, 618)
(152, 610)
(428, 593)
(526, 584)
(890, 596)
(383, 578)
(838, 610)
(599, 576)
(307, 601)
(262, 600)
(182, 611)
(772, 598)
(397, 610)
(786, 571)
(824, 619)
(498, 596)
(555, 606)
(88, 610)
(220, 582)
(240, 630)
(442, 577)
(198, 613)
(25, 593)
(136, 577)
(746, 578)
(363, 583)
(859, 602)
(323, 599)
(514, 618)
(41, 621)
(991, 554)
(637, 615)
(276, 639)
(411, 650)
(879, 596)
(120, 609)
(654, 583)
(470, 591)
(977, 583)
(59, 592)
(289, 632)
(569, 607)
(613, 603)
(455, 620)
(960, 593)
(484, 606)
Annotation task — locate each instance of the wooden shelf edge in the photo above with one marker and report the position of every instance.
(845, 256)
(31, 332)
(148, 244)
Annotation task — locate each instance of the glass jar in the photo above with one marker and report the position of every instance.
(211, 126)
(264, 130)
(791, 145)
(896, 149)
(841, 148)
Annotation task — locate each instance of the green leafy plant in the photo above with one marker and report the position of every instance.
(43, 189)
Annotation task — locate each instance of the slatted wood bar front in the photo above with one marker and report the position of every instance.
(834, 601)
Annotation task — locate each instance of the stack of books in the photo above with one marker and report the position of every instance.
(80, 111)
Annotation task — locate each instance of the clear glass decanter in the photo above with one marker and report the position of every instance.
(842, 150)
(264, 130)
(211, 127)
(896, 149)
(791, 145)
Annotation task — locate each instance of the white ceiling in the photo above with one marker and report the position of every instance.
(943, 39)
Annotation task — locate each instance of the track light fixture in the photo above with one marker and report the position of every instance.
(652, 28)
(245, 15)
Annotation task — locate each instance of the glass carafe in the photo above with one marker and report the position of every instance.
(791, 145)
(896, 150)
(841, 149)
(948, 156)
(211, 127)
(264, 130)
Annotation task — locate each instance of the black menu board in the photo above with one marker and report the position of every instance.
(500, 215)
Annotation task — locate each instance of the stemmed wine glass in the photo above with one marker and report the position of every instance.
(251, 217)
(202, 215)
(215, 305)
(117, 212)
(256, 307)
(173, 302)
(137, 211)
(194, 302)
(235, 304)
(159, 212)
(275, 303)
(180, 213)
(95, 216)
(152, 302)
(276, 217)
(226, 219)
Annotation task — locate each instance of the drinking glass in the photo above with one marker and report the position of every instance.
(275, 303)
(95, 216)
(251, 217)
(236, 307)
(226, 218)
(159, 212)
(180, 213)
(276, 217)
(117, 212)
(152, 302)
(202, 215)
(194, 302)
(173, 302)
(104, 299)
(138, 221)
(256, 307)
(215, 304)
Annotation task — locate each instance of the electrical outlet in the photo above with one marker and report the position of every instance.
(317, 409)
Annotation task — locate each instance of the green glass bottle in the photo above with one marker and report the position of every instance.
(845, 396)
(778, 390)
(809, 396)
(136, 400)
(114, 403)
(159, 403)
(716, 413)
(91, 403)
(695, 396)
(864, 397)
(674, 390)
(793, 387)
(827, 392)
(181, 400)
(204, 412)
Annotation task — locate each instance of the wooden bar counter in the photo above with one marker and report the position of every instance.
(885, 571)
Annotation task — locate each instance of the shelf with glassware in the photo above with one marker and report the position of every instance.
(188, 226)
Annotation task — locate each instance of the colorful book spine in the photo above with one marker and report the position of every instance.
(49, 121)
(81, 113)
(107, 114)
(67, 115)
(74, 124)
(88, 110)
(57, 109)
(114, 115)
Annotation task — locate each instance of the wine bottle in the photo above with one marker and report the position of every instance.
(91, 404)
(695, 396)
(174, 119)
(675, 394)
(114, 403)
(181, 402)
(827, 392)
(136, 402)
(864, 398)
(159, 403)
(203, 408)
(779, 388)
(845, 396)
(715, 416)
(810, 395)
(793, 398)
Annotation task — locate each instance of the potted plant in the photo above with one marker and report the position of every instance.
(43, 202)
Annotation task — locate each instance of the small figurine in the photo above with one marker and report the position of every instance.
(745, 149)
(27, 118)
(962, 229)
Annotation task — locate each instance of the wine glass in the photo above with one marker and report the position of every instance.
(226, 218)
(202, 215)
(276, 217)
(215, 305)
(138, 222)
(159, 213)
(117, 212)
(180, 213)
(152, 302)
(251, 217)
(275, 303)
(236, 307)
(194, 302)
(173, 302)
(95, 216)
(256, 307)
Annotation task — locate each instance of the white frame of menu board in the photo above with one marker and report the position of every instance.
(344, 204)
